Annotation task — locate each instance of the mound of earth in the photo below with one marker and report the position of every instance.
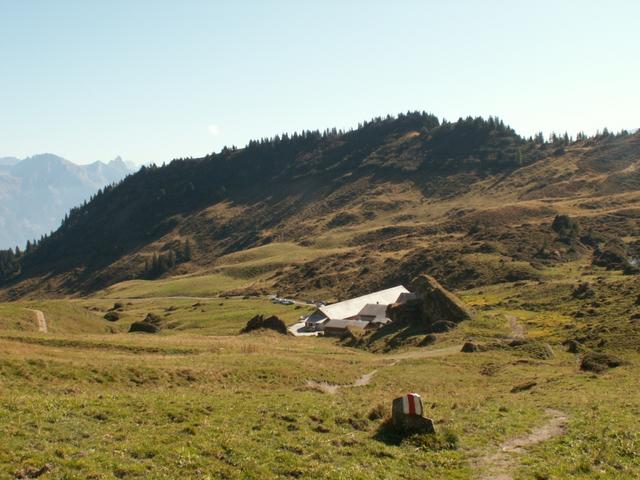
(599, 362)
(470, 347)
(112, 316)
(151, 324)
(259, 322)
(613, 256)
(433, 309)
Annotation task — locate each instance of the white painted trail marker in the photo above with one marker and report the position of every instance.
(412, 404)
(407, 415)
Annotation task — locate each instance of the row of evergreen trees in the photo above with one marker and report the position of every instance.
(121, 218)
(162, 262)
(9, 264)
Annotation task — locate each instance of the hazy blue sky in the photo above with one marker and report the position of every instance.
(154, 80)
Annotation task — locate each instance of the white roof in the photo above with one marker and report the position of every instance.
(350, 308)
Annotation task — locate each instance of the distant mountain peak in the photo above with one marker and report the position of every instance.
(125, 165)
(37, 192)
(8, 161)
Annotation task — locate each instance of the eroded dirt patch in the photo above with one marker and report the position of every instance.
(501, 464)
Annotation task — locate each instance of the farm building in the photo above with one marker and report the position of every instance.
(338, 327)
(370, 308)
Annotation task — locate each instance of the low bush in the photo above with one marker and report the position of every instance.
(259, 322)
(112, 316)
(599, 362)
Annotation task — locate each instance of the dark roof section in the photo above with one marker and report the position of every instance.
(344, 324)
(374, 313)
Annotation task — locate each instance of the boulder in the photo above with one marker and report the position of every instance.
(470, 347)
(573, 346)
(112, 316)
(151, 324)
(523, 387)
(432, 308)
(143, 327)
(259, 322)
(599, 362)
(613, 256)
(429, 339)
(442, 326)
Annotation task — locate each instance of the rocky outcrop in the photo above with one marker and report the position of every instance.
(613, 256)
(151, 324)
(599, 362)
(434, 308)
(470, 347)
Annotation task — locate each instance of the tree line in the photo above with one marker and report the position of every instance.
(143, 207)
(162, 262)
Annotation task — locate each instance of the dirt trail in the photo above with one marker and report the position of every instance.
(332, 388)
(500, 465)
(41, 320)
(440, 352)
(517, 330)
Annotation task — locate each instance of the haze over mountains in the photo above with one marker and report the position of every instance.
(37, 192)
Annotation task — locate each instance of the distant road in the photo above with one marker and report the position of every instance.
(42, 321)
(186, 297)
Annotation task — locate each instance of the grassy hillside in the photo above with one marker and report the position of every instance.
(540, 239)
(380, 194)
(198, 400)
(179, 404)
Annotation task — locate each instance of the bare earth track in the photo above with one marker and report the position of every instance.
(41, 320)
(517, 330)
(499, 465)
(495, 466)
(365, 379)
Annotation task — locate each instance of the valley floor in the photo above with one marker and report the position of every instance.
(88, 400)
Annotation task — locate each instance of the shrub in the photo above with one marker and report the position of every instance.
(599, 362)
(447, 440)
(151, 324)
(377, 412)
(566, 227)
(153, 319)
(112, 316)
(143, 327)
(260, 322)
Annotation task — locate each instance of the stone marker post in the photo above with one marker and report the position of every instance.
(406, 414)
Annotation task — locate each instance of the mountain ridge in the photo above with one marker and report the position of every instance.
(468, 201)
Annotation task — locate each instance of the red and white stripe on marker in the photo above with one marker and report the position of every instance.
(412, 404)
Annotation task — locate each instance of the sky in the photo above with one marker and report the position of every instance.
(157, 80)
